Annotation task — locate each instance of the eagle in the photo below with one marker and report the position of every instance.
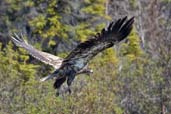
(77, 61)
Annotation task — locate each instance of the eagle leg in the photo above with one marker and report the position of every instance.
(69, 82)
(58, 84)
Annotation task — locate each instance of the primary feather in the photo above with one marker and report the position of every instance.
(115, 32)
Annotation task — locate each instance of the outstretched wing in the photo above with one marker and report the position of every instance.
(42, 56)
(115, 32)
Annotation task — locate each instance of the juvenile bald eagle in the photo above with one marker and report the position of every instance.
(76, 62)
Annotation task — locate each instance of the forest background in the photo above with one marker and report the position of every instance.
(133, 77)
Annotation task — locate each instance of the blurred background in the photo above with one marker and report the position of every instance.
(133, 77)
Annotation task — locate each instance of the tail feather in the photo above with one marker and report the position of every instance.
(47, 78)
(54, 74)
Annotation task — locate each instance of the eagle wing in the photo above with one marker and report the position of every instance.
(115, 32)
(41, 56)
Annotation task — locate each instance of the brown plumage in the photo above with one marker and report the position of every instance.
(78, 59)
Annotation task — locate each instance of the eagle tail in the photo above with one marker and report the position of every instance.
(50, 76)
(47, 78)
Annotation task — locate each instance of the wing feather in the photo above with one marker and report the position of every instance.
(40, 55)
(115, 32)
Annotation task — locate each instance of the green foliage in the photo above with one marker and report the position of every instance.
(132, 49)
(16, 77)
(82, 33)
(166, 0)
(14, 4)
(95, 10)
(95, 7)
(39, 23)
(138, 83)
(133, 3)
(49, 25)
(137, 72)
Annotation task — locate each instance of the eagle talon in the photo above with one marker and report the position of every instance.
(69, 90)
(57, 94)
